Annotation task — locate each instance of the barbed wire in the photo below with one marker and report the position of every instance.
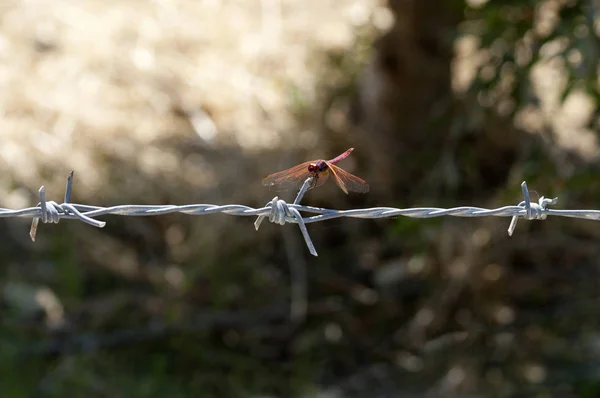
(280, 212)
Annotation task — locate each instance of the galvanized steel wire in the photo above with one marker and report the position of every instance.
(280, 212)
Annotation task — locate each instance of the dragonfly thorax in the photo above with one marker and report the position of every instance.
(317, 167)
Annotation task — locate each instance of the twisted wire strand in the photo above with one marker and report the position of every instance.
(280, 212)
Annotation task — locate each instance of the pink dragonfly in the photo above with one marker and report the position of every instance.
(319, 170)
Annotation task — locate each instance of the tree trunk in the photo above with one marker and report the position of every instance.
(407, 81)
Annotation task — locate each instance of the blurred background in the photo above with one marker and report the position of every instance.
(447, 103)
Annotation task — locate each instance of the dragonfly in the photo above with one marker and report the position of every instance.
(319, 170)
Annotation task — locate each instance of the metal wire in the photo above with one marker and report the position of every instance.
(280, 212)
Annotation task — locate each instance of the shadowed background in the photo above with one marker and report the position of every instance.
(447, 103)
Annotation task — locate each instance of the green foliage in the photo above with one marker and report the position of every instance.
(517, 36)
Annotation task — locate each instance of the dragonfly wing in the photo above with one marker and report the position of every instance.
(348, 182)
(338, 181)
(288, 179)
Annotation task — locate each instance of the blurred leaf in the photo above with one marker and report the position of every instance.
(589, 390)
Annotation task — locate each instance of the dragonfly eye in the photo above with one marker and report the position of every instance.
(312, 168)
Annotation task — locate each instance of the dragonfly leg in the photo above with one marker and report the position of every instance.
(313, 183)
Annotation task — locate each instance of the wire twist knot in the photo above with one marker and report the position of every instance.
(52, 212)
(533, 211)
(282, 213)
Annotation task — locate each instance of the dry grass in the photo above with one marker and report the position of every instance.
(82, 80)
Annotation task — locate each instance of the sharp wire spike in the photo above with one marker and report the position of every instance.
(303, 189)
(69, 187)
(527, 198)
(36, 220)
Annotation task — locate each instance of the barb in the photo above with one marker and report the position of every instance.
(280, 212)
(301, 192)
(49, 215)
(534, 211)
